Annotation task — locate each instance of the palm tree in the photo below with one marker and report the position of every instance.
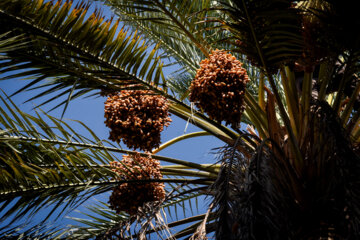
(292, 174)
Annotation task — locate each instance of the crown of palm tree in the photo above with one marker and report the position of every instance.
(292, 174)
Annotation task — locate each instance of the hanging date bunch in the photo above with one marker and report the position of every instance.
(219, 87)
(129, 196)
(137, 117)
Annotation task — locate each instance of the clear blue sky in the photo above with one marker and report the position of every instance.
(91, 112)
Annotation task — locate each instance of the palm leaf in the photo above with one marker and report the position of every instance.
(282, 204)
(74, 65)
(38, 171)
(83, 76)
(256, 24)
(270, 26)
(76, 51)
(54, 167)
(178, 27)
(167, 24)
(36, 232)
(175, 31)
(104, 224)
(11, 43)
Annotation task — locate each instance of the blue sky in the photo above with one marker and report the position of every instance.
(91, 112)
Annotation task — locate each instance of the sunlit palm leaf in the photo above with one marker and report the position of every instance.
(172, 24)
(178, 28)
(36, 232)
(77, 55)
(54, 167)
(103, 221)
(78, 52)
(37, 171)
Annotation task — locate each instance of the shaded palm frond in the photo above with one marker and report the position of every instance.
(151, 219)
(11, 43)
(99, 219)
(267, 32)
(320, 201)
(180, 84)
(336, 22)
(228, 188)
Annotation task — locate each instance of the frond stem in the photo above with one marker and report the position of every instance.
(205, 181)
(111, 149)
(284, 116)
(203, 50)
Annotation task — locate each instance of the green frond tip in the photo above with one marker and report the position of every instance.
(38, 172)
(8, 42)
(78, 52)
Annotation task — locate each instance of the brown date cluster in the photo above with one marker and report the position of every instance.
(219, 87)
(131, 195)
(137, 117)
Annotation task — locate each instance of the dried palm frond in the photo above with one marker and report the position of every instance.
(227, 190)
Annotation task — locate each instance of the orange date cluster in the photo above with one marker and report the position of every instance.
(137, 117)
(129, 196)
(219, 87)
